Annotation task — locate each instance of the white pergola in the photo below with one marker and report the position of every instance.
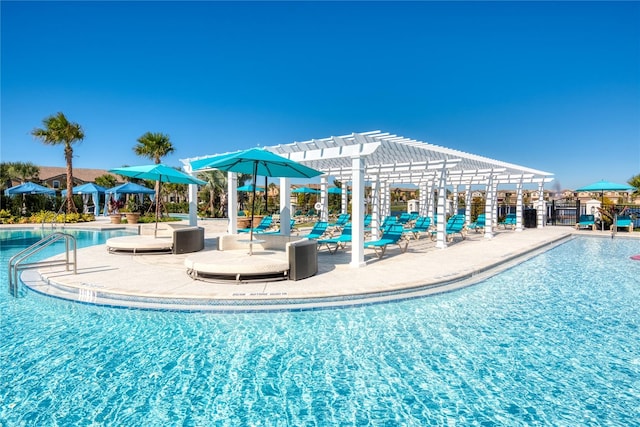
(382, 159)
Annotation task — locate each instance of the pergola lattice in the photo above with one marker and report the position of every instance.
(384, 159)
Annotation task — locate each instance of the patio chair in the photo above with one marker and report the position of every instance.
(264, 225)
(388, 220)
(623, 221)
(455, 225)
(318, 230)
(422, 225)
(341, 221)
(335, 243)
(478, 224)
(586, 221)
(509, 221)
(391, 235)
(404, 218)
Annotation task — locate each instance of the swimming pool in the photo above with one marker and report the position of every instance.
(521, 348)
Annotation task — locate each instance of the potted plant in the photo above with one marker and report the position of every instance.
(131, 211)
(114, 210)
(244, 220)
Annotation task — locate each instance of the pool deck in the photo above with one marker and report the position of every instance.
(160, 281)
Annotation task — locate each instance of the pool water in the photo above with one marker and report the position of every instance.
(553, 341)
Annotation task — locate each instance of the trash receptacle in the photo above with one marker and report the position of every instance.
(530, 218)
(303, 259)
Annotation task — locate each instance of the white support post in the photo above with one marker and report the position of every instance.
(376, 207)
(430, 204)
(489, 208)
(324, 200)
(541, 205)
(357, 238)
(441, 237)
(422, 198)
(467, 203)
(344, 199)
(285, 209)
(519, 210)
(455, 200)
(232, 207)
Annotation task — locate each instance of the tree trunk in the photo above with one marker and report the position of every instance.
(68, 155)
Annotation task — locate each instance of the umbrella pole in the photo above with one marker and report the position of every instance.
(253, 204)
(155, 231)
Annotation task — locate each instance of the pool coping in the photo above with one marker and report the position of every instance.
(38, 281)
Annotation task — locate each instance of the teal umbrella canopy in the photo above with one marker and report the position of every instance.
(158, 172)
(29, 188)
(89, 187)
(336, 190)
(606, 186)
(305, 190)
(249, 188)
(257, 161)
(130, 188)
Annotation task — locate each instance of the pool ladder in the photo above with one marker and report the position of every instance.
(17, 262)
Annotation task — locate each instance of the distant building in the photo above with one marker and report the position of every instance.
(56, 177)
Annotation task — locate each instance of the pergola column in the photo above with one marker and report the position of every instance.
(430, 204)
(232, 207)
(455, 199)
(489, 208)
(324, 200)
(540, 205)
(285, 206)
(344, 199)
(376, 207)
(357, 209)
(467, 203)
(422, 198)
(519, 209)
(441, 238)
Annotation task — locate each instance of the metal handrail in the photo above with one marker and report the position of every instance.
(16, 261)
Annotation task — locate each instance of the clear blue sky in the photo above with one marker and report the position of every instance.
(548, 85)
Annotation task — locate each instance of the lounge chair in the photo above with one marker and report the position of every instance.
(389, 220)
(264, 225)
(318, 230)
(509, 221)
(335, 243)
(391, 235)
(586, 221)
(455, 225)
(478, 224)
(623, 221)
(422, 225)
(341, 221)
(404, 218)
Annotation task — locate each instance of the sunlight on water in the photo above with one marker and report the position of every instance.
(553, 341)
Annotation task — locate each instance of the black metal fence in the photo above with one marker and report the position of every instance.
(567, 212)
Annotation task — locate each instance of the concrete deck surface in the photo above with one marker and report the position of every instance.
(161, 281)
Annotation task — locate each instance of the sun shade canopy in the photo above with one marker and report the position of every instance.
(394, 159)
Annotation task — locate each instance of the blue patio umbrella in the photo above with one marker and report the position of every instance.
(257, 161)
(249, 188)
(29, 188)
(602, 186)
(305, 190)
(336, 190)
(160, 173)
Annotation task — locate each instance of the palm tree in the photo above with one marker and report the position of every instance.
(154, 145)
(60, 131)
(216, 183)
(634, 181)
(23, 171)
